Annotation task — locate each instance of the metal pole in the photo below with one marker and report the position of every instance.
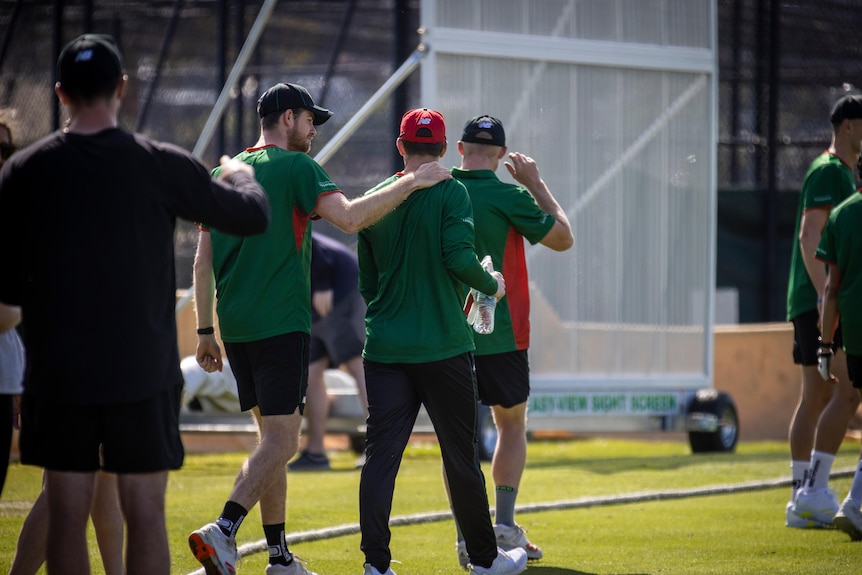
(772, 302)
(157, 74)
(222, 102)
(373, 102)
(336, 51)
(239, 65)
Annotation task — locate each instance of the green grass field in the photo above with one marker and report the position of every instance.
(665, 531)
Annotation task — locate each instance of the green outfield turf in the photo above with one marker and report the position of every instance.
(596, 506)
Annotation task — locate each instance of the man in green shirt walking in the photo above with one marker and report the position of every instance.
(418, 350)
(263, 287)
(505, 215)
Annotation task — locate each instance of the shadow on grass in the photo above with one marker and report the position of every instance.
(540, 570)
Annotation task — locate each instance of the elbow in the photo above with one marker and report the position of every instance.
(351, 227)
(560, 241)
(347, 223)
(565, 243)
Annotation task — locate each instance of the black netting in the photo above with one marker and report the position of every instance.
(781, 67)
(341, 50)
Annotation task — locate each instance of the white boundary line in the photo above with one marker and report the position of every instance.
(579, 503)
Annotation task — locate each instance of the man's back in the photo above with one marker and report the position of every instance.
(504, 215)
(96, 258)
(333, 267)
(409, 267)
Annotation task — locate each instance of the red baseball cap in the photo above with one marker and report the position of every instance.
(423, 126)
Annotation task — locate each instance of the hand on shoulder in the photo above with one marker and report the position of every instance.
(429, 174)
(230, 166)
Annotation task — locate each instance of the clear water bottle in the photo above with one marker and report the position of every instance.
(486, 305)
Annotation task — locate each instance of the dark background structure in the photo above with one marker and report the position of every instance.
(781, 66)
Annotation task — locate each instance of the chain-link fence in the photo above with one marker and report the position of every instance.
(178, 55)
(782, 65)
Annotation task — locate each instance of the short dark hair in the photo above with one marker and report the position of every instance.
(270, 120)
(421, 149)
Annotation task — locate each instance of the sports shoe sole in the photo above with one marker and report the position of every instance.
(843, 523)
(205, 553)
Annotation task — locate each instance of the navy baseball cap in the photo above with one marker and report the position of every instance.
(285, 96)
(484, 130)
(89, 60)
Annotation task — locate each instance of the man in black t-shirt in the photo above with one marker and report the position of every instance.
(87, 217)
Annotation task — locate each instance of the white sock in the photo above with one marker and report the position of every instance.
(799, 475)
(856, 487)
(821, 467)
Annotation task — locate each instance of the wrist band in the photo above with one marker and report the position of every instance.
(206, 330)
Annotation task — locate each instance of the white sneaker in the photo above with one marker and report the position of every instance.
(515, 537)
(509, 562)
(294, 568)
(461, 550)
(215, 550)
(819, 505)
(372, 570)
(794, 520)
(849, 519)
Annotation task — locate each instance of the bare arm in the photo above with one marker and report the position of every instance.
(10, 316)
(829, 324)
(322, 301)
(208, 351)
(829, 319)
(524, 170)
(810, 229)
(359, 213)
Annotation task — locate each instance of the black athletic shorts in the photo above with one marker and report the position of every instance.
(805, 338)
(854, 370)
(138, 437)
(340, 335)
(503, 378)
(271, 373)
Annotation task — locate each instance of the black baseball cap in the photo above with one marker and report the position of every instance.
(285, 96)
(87, 61)
(847, 108)
(484, 130)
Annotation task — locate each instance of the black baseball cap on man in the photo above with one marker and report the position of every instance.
(484, 130)
(847, 108)
(89, 63)
(285, 96)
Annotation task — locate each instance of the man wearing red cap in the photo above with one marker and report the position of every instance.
(419, 350)
(263, 284)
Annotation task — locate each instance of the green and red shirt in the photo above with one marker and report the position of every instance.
(504, 215)
(263, 285)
